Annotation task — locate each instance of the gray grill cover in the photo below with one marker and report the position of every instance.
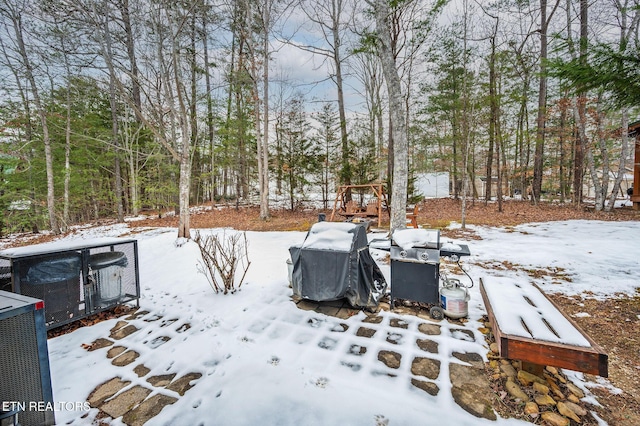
(333, 263)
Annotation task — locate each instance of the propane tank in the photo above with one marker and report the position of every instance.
(454, 299)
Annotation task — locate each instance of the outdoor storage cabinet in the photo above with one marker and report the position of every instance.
(25, 383)
(415, 265)
(74, 279)
(415, 274)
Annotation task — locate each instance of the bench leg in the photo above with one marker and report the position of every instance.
(532, 368)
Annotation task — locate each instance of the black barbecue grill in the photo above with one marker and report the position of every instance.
(415, 264)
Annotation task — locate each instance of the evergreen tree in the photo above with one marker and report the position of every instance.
(299, 152)
(328, 145)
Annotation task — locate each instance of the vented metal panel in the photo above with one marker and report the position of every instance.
(5, 275)
(21, 368)
(54, 278)
(24, 364)
(415, 274)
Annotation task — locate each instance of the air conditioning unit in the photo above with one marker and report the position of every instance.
(25, 377)
(74, 278)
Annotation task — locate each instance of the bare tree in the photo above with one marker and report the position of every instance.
(67, 136)
(397, 113)
(13, 14)
(580, 115)
(168, 85)
(266, 12)
(369, 72)
(333, 18)
(538, 160)
(113, 103)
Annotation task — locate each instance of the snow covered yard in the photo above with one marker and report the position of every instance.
(262, 360)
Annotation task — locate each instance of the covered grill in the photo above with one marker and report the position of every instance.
(333, 263)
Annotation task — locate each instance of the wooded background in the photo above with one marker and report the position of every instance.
(110, 107)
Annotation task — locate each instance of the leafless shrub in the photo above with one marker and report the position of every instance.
(223, 256)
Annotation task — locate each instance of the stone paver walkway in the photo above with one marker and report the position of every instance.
(136, 404)
(411, 331)
(404, 344)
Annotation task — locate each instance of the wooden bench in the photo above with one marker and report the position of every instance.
(530, 327)
(353, 209)
(373, 207)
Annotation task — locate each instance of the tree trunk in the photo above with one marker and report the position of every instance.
(133, 186)
(123, 7)
(210, 117)
(129, 41)
(538, 159)
(397, 116)
(42, 114)
(541, 121)
(493, 106)
(67, 163)
(263, 149)
(563, 151)
(346, 172)
(580, 113)
(115, 141)
(184, 122)
(184, 222)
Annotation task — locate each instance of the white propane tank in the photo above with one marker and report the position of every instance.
(454, 300)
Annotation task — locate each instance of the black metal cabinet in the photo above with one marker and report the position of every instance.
(415, 274)
(415, 265)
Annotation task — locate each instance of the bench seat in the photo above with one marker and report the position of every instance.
(529, 326)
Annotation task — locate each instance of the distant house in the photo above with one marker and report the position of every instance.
(432, 185)
(627, 182)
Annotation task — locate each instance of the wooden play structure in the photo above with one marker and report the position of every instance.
(371, 207)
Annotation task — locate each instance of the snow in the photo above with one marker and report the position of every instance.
(450, 246)
(265, 361)
(408, 238)
(62, 245)
(520, 305)
(336, 236)
(599, 258)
